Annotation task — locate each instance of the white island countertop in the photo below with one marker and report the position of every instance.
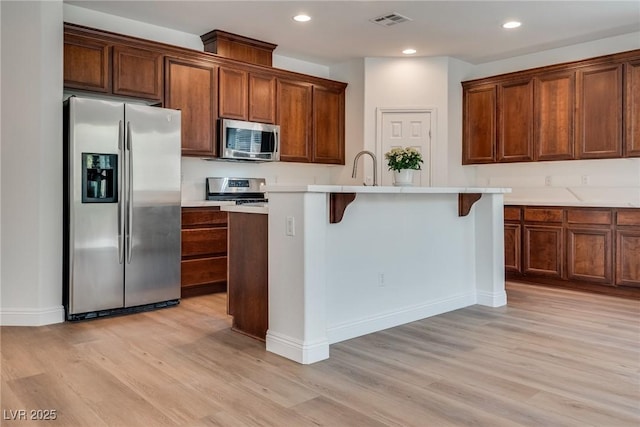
(315, 188)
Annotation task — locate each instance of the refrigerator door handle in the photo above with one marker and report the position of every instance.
(130, 195)
(121, 205)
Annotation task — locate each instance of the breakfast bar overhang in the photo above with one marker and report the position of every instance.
(353, 260)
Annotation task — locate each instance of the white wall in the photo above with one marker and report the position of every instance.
(409, 83)
(31, 163)
(614, 182)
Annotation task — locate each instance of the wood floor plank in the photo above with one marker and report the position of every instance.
(551, 357)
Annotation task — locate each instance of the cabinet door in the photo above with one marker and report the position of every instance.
(190, 87)
(599, 118)
(233, 98)
(262, 98)
(328, 126)
(628, 258)
(137, 72)
(589, 255)
(543, 250)
(632, 118)
(515, 121)
(86, 64)
(554, 116)
(512, 245)
(479, 129)
(294, 117)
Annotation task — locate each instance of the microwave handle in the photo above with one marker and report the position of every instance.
(277, 140)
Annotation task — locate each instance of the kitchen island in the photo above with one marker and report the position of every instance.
(345, 261)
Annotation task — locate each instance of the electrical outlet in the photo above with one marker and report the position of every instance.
(381, 279)
(291, 226)
(547, 181)
(585, 180)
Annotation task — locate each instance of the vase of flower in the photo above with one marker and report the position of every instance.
(403, 162)
(403, 177)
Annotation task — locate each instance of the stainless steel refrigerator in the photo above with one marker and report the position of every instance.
(121, 207)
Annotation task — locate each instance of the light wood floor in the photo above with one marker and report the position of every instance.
(550, 358)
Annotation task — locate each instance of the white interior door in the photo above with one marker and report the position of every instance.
(404, 128)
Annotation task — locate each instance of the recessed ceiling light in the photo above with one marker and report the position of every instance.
(409, 51)
(302, 18)
(511, 24)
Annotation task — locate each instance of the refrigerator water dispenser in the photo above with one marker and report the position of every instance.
(99, 178)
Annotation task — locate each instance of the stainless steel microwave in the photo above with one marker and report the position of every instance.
(241, 140)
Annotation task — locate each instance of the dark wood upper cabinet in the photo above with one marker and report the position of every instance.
(87, 64)
(102, 66)
(599, 112)
(580, 110)
(294, 115)
(190, 87)
(515, 121)
(479, 130)
(554, 116)
(233, 94)
(632, 111)
(262, 98)
(328, 126)
(137, 72)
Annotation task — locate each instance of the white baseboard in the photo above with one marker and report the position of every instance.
(376, 323)
(296, 350)
(31, 316)
(492, 299)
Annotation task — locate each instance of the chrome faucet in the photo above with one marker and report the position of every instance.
(375, 167)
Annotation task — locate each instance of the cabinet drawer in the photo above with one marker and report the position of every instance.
(590, 216)
(543, 214)
(204, 270)
(204, 241)
(193, 217)
(512, 213)
(628, 217)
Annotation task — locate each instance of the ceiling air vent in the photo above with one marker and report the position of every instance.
(390, 19)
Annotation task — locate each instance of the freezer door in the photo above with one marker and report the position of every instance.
(152, 265)
(96, 280)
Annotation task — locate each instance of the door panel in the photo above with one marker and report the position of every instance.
(152, 271)
(96, 274)
(405, 129)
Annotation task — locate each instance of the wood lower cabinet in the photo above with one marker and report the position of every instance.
(543, 250)
(248, 276)
(294, 115)
(594, 249)
(204, 251)
(628, 247)
(190, 85)
(512, 239)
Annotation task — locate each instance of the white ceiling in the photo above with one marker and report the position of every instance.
(340, 30)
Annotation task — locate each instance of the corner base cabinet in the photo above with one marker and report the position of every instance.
(591, 248)
(204, 251)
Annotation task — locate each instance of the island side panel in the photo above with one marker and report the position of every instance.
(488, 213)
(297, 320)
(397, 258)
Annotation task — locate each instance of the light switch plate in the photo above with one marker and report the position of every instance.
(291, 226)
